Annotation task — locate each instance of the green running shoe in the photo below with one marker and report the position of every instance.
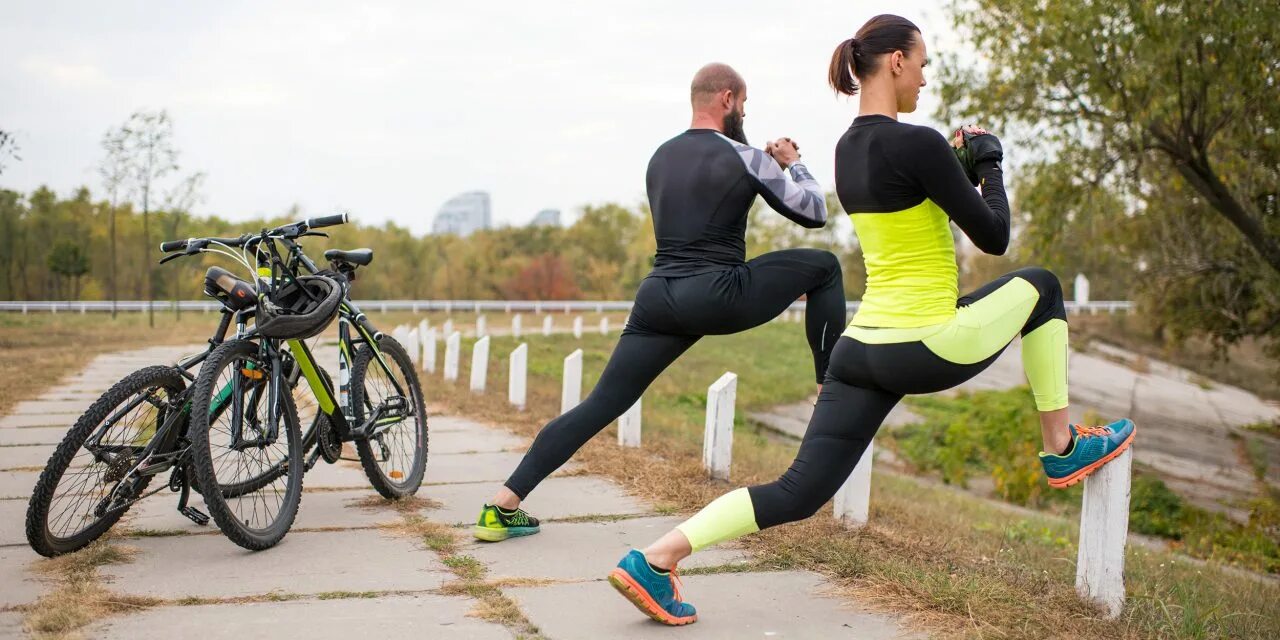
(1091, 447)
(496, 525)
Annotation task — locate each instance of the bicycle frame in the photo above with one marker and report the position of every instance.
(339, 408)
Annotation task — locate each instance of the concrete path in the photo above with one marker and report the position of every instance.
(351, 567)
(1183, 419)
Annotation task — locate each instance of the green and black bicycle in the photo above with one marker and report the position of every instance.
(142, 426)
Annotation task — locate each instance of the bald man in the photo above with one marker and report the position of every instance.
(701, 185)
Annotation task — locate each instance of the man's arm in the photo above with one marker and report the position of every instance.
(797, 196)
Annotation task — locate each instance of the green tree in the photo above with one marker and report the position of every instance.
(68, 261)
(1147, 115)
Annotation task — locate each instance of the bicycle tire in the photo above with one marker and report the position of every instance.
(398, 358)
(236, 529)
(43, 498)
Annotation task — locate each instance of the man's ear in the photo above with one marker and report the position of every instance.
(726, 99)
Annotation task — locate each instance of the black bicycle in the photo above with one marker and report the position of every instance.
(244, 429)
(136, 431)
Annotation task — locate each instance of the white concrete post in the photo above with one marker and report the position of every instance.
(629, 426)
(604, 326)
(429, 351)
(515, 326)
(717, 440)
(571, 388)
(447, 329)
(1104, 528)
(479, 364)
(577, 326)
(853, 500)
(411, 345)
(546, 325)
(1082, 289)
(421, 336)
(516, 381)
(481, 329)
(451, 346)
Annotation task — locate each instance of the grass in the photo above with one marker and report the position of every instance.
(995, 434)
(470, 573)
(78, 597)
(950, 563)
(1266, 428)
(61, 344)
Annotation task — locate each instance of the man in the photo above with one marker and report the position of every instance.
(701, 185)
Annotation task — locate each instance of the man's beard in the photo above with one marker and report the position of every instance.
(733, 127)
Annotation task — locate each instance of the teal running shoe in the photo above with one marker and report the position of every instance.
(496, 524)
(1091, 447)
(655, 594)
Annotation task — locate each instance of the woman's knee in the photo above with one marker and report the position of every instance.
(1043, 280)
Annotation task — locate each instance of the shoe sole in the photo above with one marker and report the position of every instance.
(498, 535)
(643, 601)
(1075, 478)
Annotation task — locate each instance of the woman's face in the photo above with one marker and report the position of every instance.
(909, 75)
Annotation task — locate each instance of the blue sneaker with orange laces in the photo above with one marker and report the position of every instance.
(654, 593)
(1091, 447)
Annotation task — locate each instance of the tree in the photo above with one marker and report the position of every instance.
(1150, 114)
(8, 147)
(68, 260)
(147, 140)
(178, 202)
(546, 278)
(114, 171)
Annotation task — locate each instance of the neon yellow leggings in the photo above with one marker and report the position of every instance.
(870, 371)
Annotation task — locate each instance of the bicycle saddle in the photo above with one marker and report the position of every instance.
(361, 257)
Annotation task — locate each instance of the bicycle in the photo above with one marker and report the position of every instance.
(379, 408)
(135, 431)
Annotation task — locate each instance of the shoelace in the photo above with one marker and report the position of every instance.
(1092, 431)
(676, 584)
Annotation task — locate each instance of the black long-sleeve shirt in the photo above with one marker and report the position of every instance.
(701, 185)
(901, 184)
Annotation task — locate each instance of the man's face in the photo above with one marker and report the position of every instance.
(733, 119)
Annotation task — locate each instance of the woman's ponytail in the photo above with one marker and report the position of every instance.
(843, 73)
(859, 56)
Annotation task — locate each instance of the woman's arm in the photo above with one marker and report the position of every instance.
(984, 218)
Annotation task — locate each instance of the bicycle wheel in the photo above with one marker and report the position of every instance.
(256, 468)
(90, 480)
(395, 457)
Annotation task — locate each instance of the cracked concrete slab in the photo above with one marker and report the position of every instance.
(554, 498)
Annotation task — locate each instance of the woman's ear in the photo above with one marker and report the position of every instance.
(895, 62)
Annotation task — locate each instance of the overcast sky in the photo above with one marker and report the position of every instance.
(388, 109)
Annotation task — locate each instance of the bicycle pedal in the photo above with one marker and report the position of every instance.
(197, 516)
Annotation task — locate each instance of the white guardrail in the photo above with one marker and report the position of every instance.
(448, 306)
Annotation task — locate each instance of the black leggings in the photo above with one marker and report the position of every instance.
(669, 316)
(863, 384)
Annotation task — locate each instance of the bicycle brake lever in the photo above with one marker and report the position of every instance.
(318, 234)
(172, 256)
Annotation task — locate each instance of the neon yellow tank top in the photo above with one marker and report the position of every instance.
(911, 267)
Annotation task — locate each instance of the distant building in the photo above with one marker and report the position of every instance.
(546, 218)
(463, 214)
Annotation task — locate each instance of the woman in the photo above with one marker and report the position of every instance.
(902, 185)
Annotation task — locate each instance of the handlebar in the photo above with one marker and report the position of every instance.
(291, 230)
(327, 221)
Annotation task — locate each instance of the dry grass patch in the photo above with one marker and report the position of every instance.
(79, 598)
(64, 343)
